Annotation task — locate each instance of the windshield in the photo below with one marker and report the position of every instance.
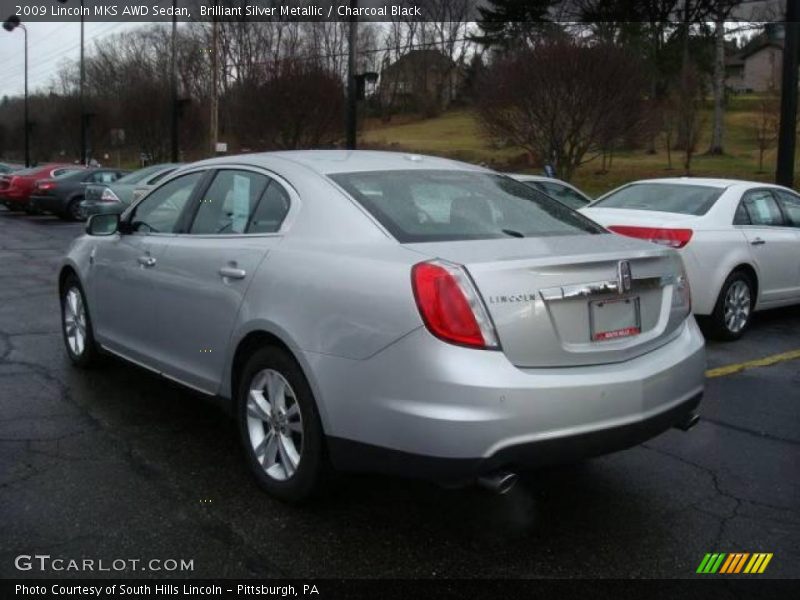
(431, 206)
(140, 175)
(663, 197)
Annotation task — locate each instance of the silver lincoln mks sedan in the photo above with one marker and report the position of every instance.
(372, 311)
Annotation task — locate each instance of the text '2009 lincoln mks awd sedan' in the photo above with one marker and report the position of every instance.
(385, 312)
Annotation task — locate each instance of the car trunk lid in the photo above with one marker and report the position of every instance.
(560, 301)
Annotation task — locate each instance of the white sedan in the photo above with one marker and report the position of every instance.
(740, 240)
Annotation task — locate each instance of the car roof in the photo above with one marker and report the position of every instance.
(707, 181)
(326, 162)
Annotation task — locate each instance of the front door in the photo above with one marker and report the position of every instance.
(127, 273)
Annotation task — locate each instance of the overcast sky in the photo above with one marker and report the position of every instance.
(49, 44)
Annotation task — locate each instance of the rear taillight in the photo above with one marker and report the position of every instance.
(674, 238)
(13, 182)
(450, 305)
(46, 185)
(108, 196)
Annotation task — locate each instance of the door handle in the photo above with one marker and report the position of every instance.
(232, 273)
(758, 242)
(147, 261)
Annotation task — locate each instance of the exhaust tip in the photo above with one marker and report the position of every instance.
(499, 482)
(689, 422)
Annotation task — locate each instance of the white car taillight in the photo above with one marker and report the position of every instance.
(108, 196)
(450, 306)
(682, 296)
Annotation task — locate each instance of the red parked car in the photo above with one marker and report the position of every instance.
(16, 187)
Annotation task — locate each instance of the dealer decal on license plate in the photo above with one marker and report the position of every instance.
(614, 319)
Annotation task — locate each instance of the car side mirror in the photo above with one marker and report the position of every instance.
(105, 224)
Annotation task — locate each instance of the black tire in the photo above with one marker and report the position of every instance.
(719, 328)
(89, 356)
(73, 211)
(312, 468)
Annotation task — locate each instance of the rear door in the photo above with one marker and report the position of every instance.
(208, 270)
(773, 245)
(790, 203)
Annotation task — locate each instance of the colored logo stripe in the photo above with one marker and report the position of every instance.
(758, 563)
(734, 562)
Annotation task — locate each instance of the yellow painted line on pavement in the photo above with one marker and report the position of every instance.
(767, 361)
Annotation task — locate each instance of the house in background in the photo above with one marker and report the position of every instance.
(757, 66)
(421, 80)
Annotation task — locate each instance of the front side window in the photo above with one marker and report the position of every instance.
(684, 199)
(229, 202)
(791, 206)
(161, 210)
(431, 206)
(762, 208)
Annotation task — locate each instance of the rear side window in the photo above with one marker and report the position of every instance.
(431, 206)
(678, 198)
(229, 202)
(791, 206)
(270, 211)
(762, 208)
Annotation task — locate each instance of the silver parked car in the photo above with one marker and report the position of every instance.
(386, 312)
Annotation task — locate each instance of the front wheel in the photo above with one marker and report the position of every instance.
(734, 309)
(76, 325)
(280, 427)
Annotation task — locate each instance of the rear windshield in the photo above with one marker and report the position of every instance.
(664, 197)
(432, 206)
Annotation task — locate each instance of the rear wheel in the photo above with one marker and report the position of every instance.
(734, 309)
(76, 325)
(74, 212)
(280, 427)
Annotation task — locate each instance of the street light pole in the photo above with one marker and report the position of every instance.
(84, 158)
(351, 117)
(174, 84)
(10, 24)
(784, 173)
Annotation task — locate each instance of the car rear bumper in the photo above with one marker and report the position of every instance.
(428, 409)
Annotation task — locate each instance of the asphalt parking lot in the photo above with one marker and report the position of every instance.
(118, 463)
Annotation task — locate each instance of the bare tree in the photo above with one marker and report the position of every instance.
(563, 100)
(687, 100)
(765, 126)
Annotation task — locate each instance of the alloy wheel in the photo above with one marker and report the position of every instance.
(737, 306)
(75, 321)
(274, 424)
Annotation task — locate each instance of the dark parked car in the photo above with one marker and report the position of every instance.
(16, 187)
(116, 197)
(63, 195)
(9, 168)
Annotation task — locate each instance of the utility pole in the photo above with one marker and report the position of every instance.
(351, 118)
(214, 120)
(84, 158)
(784, 173)
(173, 66)
(27, 123)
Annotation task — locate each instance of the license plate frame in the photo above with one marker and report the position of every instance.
(607, 326)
